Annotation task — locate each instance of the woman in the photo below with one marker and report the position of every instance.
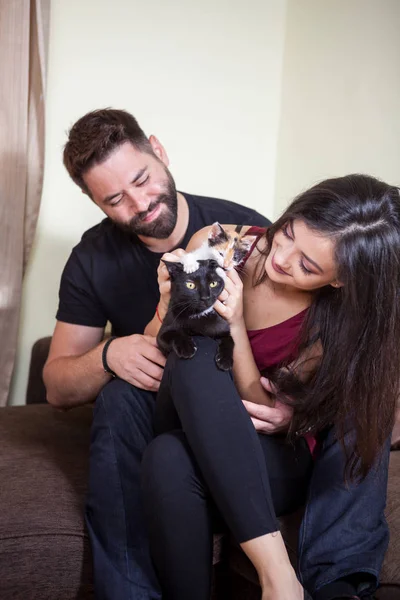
(319, 307)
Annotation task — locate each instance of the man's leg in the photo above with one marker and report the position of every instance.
(344, 534)
(121, 430)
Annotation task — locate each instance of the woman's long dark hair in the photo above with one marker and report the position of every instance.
(356, 383)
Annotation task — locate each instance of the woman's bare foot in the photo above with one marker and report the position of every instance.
(292, 590)
(277, 577)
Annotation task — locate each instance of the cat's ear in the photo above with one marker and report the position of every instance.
(247, 241)
(217, 234)
(174, 267)
(213, 264)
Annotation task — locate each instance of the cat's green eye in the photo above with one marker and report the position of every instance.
(190, 285)
(214, 284)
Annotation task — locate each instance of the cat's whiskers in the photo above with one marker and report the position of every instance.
(186, 304)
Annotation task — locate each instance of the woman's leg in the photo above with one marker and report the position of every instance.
(181, 515)
(221, 437)
(179, 521)
(228, 452)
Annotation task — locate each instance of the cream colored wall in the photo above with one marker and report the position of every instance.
(203, 76)
(340, 93)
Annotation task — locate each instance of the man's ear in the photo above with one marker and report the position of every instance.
(89, 195)
(159, 150)
(85, 189)
(173, 267)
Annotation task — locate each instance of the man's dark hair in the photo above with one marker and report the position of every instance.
(95, 136)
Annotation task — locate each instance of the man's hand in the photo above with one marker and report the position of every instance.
(164, 281)
(137, 359)
(267, 419)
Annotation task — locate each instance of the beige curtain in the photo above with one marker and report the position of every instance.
(24, 28)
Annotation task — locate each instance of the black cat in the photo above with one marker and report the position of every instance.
(191, 312)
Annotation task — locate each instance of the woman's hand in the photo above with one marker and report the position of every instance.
(230, 302)
(268, 419)
(164, 281)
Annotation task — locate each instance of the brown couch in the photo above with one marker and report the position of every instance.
(44, 548)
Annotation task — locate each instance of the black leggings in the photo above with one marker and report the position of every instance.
(208, 465)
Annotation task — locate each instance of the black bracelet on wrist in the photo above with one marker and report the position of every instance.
(104, 356)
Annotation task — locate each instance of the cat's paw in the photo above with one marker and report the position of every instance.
(185, 348)
(190, 264)
(223, 361)
(224, 354)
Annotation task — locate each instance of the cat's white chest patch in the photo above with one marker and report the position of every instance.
(203, 313)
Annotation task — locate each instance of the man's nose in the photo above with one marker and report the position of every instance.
(139, 201)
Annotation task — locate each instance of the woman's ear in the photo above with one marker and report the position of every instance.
(336, 284)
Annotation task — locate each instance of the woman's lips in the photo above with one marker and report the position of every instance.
(276, 268)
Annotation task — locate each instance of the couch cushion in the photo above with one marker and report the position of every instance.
(44, 550)
(35, 391)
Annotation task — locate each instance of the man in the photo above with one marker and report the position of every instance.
(111, 275)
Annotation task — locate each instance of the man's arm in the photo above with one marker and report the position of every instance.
(74, 374)
(269, 419)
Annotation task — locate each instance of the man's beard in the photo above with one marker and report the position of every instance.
(162, 227)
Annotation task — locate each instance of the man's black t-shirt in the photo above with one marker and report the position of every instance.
(112, 276)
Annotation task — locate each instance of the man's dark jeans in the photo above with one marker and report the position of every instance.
(121, 430)
(343, 531)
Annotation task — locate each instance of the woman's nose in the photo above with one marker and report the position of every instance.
(284, 258)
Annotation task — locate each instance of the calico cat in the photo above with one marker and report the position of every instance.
(191, 312)
(227, 248)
